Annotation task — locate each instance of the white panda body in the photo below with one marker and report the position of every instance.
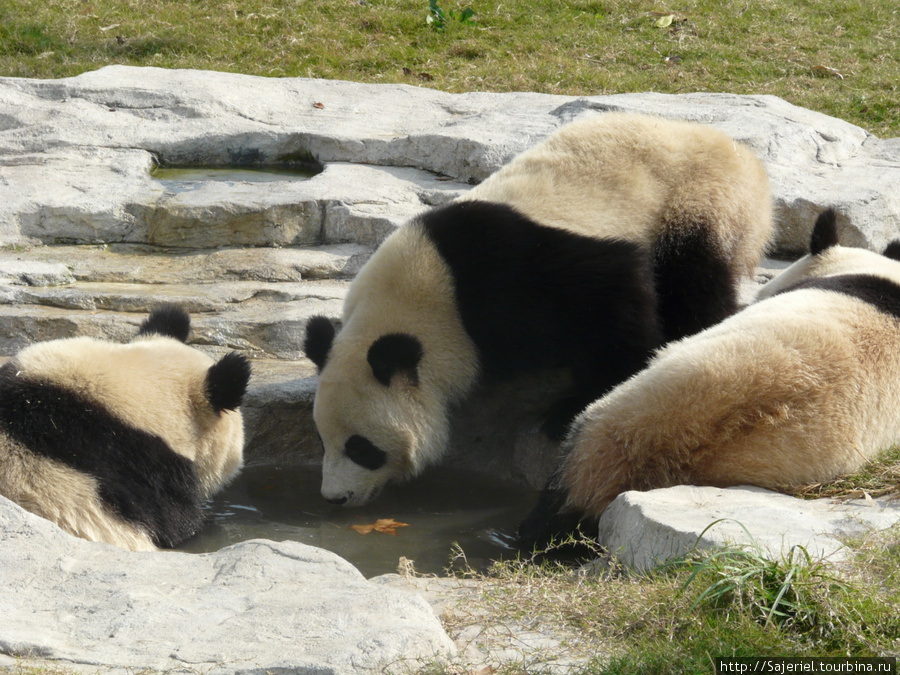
(583, 254)
(121, 443)
(799, 387)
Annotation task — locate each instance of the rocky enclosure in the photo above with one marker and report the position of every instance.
(91, 237)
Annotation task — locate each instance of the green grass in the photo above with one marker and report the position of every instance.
(724, 602)
(835, 56)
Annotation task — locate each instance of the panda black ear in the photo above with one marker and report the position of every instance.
(892, 251)
(396, 353)
(168, 321)
(320, 334)
(824, 234)
(226, 382)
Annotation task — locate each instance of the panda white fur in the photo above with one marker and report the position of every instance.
(583, 254)
(799, 387)
(121, 443)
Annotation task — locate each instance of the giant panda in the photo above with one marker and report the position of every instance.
(582, 255)
(121, 443)
(799, 387)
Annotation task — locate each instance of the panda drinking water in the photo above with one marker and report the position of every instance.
(584, 254)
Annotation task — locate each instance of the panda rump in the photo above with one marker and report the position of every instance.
(800, 387)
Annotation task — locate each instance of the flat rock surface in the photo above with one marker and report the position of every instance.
(249, 608)
(644, 529)
(91, 237)
(76, 155)
(486, 640)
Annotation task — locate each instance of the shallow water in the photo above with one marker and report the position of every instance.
(440, 508)
(186, 177)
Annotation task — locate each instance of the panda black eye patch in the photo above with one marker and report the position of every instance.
(362, 451)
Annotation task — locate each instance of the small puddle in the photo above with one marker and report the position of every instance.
(181, 179)
(442, 507)
(231, 174)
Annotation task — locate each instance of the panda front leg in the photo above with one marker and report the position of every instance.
(557, 518)
(553, 519)
(549, 522)
(559, 418)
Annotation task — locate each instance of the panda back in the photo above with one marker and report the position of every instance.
(139, 477)
(618, 174)
(532, 296)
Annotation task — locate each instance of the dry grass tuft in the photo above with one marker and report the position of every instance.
(879, 478)
(725, 602)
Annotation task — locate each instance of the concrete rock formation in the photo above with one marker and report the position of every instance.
(252, 607)
(254, 259)
(91, 237)
(76, 155)
(644, 529)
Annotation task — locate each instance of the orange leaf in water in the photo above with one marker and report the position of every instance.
(384, 525)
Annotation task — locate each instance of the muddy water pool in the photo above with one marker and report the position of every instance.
(443, 507)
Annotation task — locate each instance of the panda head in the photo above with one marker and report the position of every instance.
(197, 397)
(388, 378)
(159, 385)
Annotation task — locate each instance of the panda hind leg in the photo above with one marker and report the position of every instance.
(695, 284)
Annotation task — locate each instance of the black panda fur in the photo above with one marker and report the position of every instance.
(168, 321)
(52, 421)
(139, 478)
(696, 288)
(873, 290)
(526, 310)
(317, 339)
(226, 382)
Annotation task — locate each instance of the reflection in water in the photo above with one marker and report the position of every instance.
(442, 507)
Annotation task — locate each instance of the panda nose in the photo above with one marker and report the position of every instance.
(337, 500)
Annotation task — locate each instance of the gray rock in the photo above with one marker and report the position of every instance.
(259, 321)
(32, 273)
(643, 529)
(76, 155)
(277, 412)
(145, 264)
(249, 608)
